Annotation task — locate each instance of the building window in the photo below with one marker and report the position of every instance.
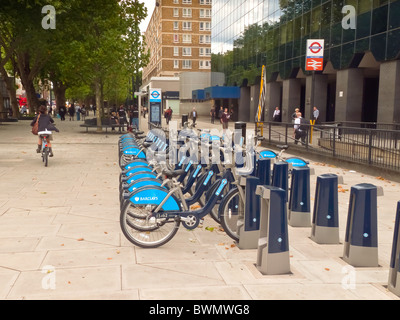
(204, 64)
(176, 64)
(186, 12)
(176, 51)
(205, 13)
(186, 25)
(205, 26)
(176, 1)
(176, 25)
(176, 38)
(207, 2)
(176, 12)
(186, 51)
(187, 64)
(187, 1)
(205, 52)
(205, 39)
(187, 38)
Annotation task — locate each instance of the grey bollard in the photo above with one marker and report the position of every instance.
(299, 200)
(273, 244)
(394, 268)
(249, 228)
(361, 239)
(325, 220)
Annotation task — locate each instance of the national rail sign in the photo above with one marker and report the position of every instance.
(315, 55)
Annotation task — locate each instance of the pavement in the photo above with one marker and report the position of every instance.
(60, 236)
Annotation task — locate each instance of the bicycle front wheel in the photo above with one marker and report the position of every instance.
(231, 210)
(142, 229)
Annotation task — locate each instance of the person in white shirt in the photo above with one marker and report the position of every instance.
(299, 132)
(316, 115)
(277, 114)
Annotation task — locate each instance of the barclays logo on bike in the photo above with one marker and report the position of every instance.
(137, 199)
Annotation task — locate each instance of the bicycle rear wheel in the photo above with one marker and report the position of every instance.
(231, 210)
(142, 229)
(45, 156)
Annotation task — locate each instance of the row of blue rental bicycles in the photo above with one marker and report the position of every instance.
(160, 180)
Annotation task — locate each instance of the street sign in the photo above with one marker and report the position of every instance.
(315, 55)
(155, 95)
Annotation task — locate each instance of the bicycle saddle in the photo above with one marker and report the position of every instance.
(282, 146)
(147, 144)
(173, 174)
(140, 137)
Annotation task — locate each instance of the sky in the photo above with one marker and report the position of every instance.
(149, 4)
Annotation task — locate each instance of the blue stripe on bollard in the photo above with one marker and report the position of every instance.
(280, 176)
(252, 209)
(263, 171)
(278, 227)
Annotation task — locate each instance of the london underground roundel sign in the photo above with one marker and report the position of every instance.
(315, 55)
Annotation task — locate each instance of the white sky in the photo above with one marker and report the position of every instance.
(149, 4)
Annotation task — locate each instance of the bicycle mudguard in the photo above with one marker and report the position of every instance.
(203, 183)
(137, 169)
(131, 151)
(134, 163)
(145, 182)
(296, 162)
(267, 154)
(140, 175)
(153, 195)
(194, 173)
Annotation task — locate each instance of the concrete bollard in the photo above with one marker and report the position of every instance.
(249, 229)
(394, 268)
(361, 239)
(273, 243)
(299, 201)
(325, 220)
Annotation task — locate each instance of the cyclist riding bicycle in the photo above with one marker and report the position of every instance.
(45, 122)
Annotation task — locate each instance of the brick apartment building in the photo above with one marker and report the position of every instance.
(179, 38)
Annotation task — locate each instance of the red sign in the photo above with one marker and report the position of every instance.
(314, 64)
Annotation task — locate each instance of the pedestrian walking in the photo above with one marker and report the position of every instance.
(62, 110)
(168, 115)
(300, 129)
(78, 112)
(83, 112)
(122, 117)
(316, 115)
(212, 114)
(194, 115)
(225, 119)
(71, 112)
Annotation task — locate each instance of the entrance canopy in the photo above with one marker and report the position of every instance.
(218, 92)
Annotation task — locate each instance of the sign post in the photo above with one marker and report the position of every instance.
(314, 62)
(155, 110)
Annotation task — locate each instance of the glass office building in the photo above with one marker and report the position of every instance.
(361, 76)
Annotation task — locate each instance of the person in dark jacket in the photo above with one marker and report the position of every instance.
(45, 122)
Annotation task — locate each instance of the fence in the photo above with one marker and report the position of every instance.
(367, 143)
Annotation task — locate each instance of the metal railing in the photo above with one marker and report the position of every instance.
(349, 141)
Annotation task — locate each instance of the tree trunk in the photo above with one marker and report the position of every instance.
(24, 71)
(59, 91)
(98, 104)
(2, 108)
(11, 91)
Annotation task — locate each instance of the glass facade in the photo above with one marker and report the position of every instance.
(247, 34)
